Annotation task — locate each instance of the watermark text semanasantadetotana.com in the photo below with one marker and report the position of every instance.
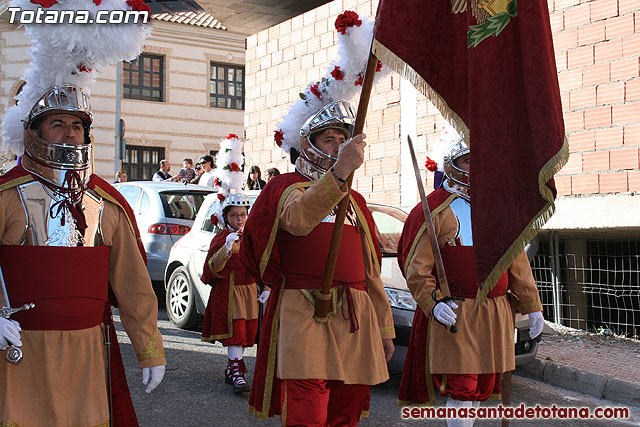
(517, 412)
(48, 16)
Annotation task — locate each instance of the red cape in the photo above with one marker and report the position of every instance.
(437, 200)
(218, 321)
(123, 411)
(259, 255)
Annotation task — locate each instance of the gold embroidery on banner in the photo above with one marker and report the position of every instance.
(9, 423)
(107, 424)
(364, 414)
(486, 8)
(274, 229)
(150, 351)
(229, 334)
(458, 6)
(479, 11)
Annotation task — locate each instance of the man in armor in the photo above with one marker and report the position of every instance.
(69, 244)
(318, 373)
(465, 366)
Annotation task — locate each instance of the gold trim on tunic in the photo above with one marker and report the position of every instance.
(150, 351)
(229, 334)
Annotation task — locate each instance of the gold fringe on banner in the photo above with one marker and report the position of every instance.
(546, 173)
(391, 60)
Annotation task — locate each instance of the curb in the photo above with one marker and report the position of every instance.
(573, 379)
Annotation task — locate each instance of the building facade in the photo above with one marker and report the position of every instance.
(179, 99)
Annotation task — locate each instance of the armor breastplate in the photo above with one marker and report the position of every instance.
(462, 210)
(44, 215)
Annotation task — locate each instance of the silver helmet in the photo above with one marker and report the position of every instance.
(313, 162)
(456, 180)
(236, 199)
(51, 161)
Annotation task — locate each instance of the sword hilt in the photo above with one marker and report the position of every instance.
(14, 353)
(7, 312)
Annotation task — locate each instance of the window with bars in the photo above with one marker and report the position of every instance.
(143, 78)
(141, 163)
(226, 86)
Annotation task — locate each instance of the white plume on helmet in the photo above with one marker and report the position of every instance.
(229, 176)
(69, 53)
(448, 137)
(353, 51)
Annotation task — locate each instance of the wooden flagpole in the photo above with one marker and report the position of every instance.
(323, 298)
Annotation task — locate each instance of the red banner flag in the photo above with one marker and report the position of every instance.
(489, 67)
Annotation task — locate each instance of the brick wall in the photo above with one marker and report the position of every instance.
(597, 47)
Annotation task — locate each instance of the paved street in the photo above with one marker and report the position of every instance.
(194, 393)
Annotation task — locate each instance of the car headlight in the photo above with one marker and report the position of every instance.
(400, 298)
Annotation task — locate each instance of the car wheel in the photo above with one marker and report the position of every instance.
(180, 300)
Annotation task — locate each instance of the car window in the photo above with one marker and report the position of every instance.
(181, 204)
(389, 223)
(130, 194)
(144, 204)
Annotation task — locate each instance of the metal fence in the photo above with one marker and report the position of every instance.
(590, 284)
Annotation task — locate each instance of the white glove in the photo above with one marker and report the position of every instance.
(536, 323)
(156, 373)
(264, 296)
(9, 333)
(444, 314)
(231, 239)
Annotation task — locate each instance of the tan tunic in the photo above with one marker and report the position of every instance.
(62, 379)
(484, 342)
(311, 350)
(245, 297)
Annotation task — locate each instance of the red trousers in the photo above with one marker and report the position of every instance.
(323, 403)
(468, 387)
(244, 333)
